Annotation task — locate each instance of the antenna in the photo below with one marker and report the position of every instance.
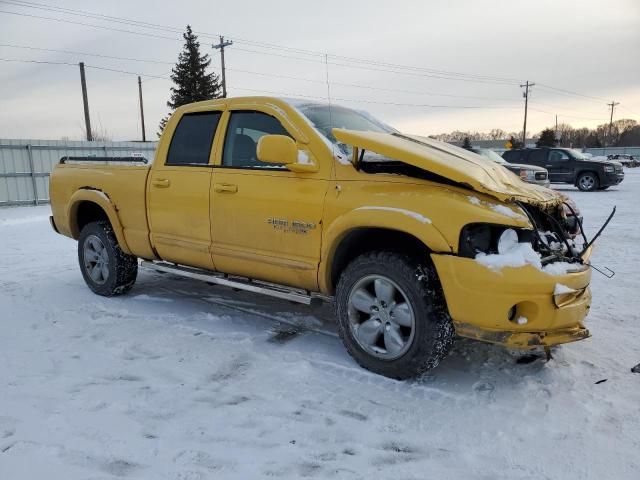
(326, 68)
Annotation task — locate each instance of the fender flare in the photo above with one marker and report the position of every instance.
(104, 202)
(385, 218)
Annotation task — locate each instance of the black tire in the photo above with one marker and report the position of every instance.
(118, 273)
(588, 182)
(433, 330)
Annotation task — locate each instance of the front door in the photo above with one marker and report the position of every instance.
(559, 165)
(179, 190)
(266, 220)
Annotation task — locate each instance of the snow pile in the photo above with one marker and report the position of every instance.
(559, 268)
(562, 289)
(516, 255)
(519, 255)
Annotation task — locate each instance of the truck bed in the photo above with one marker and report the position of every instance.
(118, 181)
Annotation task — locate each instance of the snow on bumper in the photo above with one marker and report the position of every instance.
(489, 304)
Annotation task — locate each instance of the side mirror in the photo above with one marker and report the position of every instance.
(281, 149)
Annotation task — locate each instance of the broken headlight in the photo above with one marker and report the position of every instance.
(486, 237)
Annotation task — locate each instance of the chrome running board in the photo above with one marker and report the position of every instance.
(241, 283)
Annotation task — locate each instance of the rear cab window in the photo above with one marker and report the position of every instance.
(193, 138)
(538, 157)
(241, 141)
(513, 156)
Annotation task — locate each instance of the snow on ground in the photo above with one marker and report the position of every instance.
(180, 380)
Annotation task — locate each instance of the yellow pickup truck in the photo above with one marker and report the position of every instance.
(413, 240)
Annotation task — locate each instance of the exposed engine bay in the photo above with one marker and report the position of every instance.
(557, 236)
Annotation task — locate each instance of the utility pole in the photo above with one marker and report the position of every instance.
(526, 86)
(612, 105)
(85, 101)
(144, 135)
(220, 47)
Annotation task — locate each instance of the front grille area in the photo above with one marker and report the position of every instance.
(541, 175)
(618, 168)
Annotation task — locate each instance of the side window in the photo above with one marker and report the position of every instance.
(558, 156)
(244, 130)
(512, 156)
(538, 157)
(191, 142)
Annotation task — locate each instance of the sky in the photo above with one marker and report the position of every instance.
(422, 66)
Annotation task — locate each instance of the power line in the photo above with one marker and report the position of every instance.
(351, 85)
(72, 52)
(144, 34)
(560, 114)
(82, 13)
(357, 100)
(36, 61)
(561, 91)
(434, 72)
(96, 67)
(127, 21)
(367, 87)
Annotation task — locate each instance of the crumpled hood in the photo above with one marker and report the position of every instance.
(453, 163)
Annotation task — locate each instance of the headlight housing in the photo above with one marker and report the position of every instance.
(528, 175)
(609, 168)
(485, 238)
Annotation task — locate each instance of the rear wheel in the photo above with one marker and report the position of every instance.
(106, 269)
(392, 318)
(588, 182)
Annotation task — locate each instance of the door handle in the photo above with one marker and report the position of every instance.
(161, 183)
(225, 188)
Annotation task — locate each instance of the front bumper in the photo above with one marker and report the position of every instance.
(610, 179)
(481, 299)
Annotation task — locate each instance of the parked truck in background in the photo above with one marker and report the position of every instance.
(413, 240)
(566, 165)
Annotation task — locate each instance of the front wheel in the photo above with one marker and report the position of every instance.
(588, 182)
(106, 269)
(391, 319)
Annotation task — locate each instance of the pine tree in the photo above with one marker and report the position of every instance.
(547, 138)
(466, 143)
(192, 82)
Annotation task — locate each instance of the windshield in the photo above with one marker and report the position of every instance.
(325, 118)
(490, 154)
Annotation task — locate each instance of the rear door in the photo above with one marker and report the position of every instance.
(266, 220)
(179, 190)
(537, 158)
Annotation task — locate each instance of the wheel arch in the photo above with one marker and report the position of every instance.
(90, 205)
(359, 240)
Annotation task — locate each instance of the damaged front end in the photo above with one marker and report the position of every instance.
(520, 272)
